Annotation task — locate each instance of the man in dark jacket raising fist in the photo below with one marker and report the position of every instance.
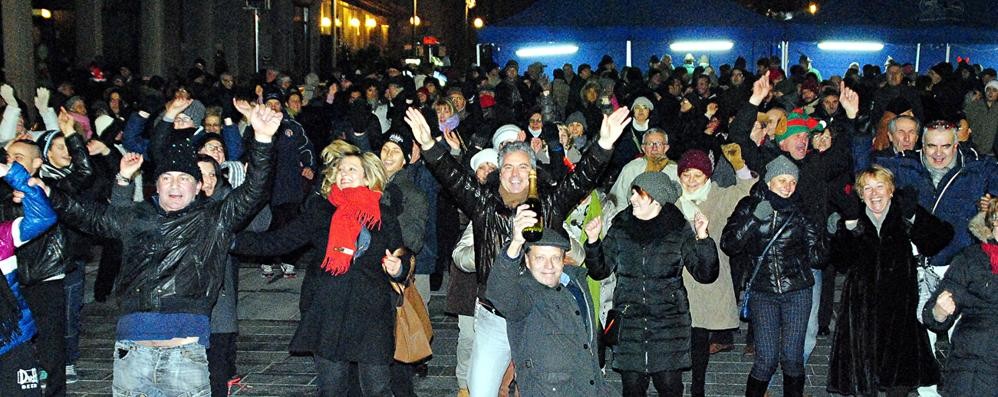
(175, 249)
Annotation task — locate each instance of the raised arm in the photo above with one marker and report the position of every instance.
(504, 287)
(132, 135)
(83, 170)
(240, 205)
(468, 194)
(233, 140)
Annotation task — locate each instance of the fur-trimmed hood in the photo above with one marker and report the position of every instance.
(979, 229)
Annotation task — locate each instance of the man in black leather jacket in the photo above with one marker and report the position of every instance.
(492, 209)
(175, 248)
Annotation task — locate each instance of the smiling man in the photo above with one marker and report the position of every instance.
(948, 184)
(175, 247)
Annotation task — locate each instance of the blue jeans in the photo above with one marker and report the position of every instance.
(74, 285)
(779, 322)
(180, 371)
(490, 354)
(811, 337)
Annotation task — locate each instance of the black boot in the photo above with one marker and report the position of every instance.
(793, 386)
(755, 387)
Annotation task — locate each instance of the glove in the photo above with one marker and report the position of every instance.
(7, 93)
(763, 210)
(907, 200)
(733, 153)
(41, 98)
(846, 203)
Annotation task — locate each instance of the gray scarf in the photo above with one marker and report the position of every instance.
(937, 174)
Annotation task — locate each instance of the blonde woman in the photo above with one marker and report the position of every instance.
(353, 322)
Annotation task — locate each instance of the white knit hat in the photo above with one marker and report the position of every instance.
(506, 133)
(487, 155)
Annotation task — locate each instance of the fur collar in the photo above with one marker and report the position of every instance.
(979, 229)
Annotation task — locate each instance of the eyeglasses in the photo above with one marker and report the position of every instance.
(536, 120)
(655, 144)
(183, 117)
(213, 147)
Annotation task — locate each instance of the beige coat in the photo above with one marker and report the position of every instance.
(713, 306)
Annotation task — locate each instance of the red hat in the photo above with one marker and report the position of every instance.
(698, 159)
(486, 100)
(775, 73)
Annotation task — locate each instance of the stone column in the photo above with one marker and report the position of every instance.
(18, 49)
(153, 25)
(89, 29)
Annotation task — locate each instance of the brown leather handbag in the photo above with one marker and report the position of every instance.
(413, 331)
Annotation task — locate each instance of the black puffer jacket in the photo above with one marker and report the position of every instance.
(491, 217)
(49, 255)
(172, 261)
(648, 257)
(787, 265)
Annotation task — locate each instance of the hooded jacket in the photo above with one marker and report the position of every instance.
(172, 261)
(971, 368)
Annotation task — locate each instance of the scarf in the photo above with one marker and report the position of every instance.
(937, 174)
(84, 124)
(689, 203)
(450, 124)
(992, 250)
(50, 171)
(355, 208)
(655, 165)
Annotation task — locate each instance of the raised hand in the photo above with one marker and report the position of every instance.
(760, 90)
(759, 132)
(420, 129)
(265, 123)
(66, 123)
(130, 164)
(452, 139)
(822, 142)
(711, 109)
(593, 229)
(243, 107)
(177, 105)
(96, 147)
(733, 153)
(685, 106)
(700, 223)
(7, 94)
(984, 203)
(42, 98)
(536, 144)
(524, 218)
(849, 100)
(392, 264)
(613, 127)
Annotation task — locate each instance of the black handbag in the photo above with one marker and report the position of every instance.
(611, 332)
(745, 312)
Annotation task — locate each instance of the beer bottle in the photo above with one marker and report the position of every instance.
(533, 233)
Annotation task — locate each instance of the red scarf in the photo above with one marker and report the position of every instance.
(355, 208)
(992, 250)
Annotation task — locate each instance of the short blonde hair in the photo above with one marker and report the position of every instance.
(874, 173)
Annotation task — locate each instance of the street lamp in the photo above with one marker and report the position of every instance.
(812, 8)
(478, 23)
(414, 20)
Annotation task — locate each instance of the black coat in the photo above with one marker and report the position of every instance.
(352, 316)
(491, 217)
(172, 261)
(787, 265)
(972, 367)
(552, 341)
(879, 343)
(51, 253)
(656, 325)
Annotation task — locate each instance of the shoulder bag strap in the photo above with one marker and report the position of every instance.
(758, 259)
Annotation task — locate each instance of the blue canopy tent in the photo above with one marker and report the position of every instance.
(582, 31)
(922, 32)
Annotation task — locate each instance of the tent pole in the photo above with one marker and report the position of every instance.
(918, 55)
(628, 53)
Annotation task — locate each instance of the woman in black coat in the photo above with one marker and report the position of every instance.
(647, 246)
(970, 291)
(781, 291)
(351, 320)
(879, 346)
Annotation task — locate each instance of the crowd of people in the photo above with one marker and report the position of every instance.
(677, 202)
